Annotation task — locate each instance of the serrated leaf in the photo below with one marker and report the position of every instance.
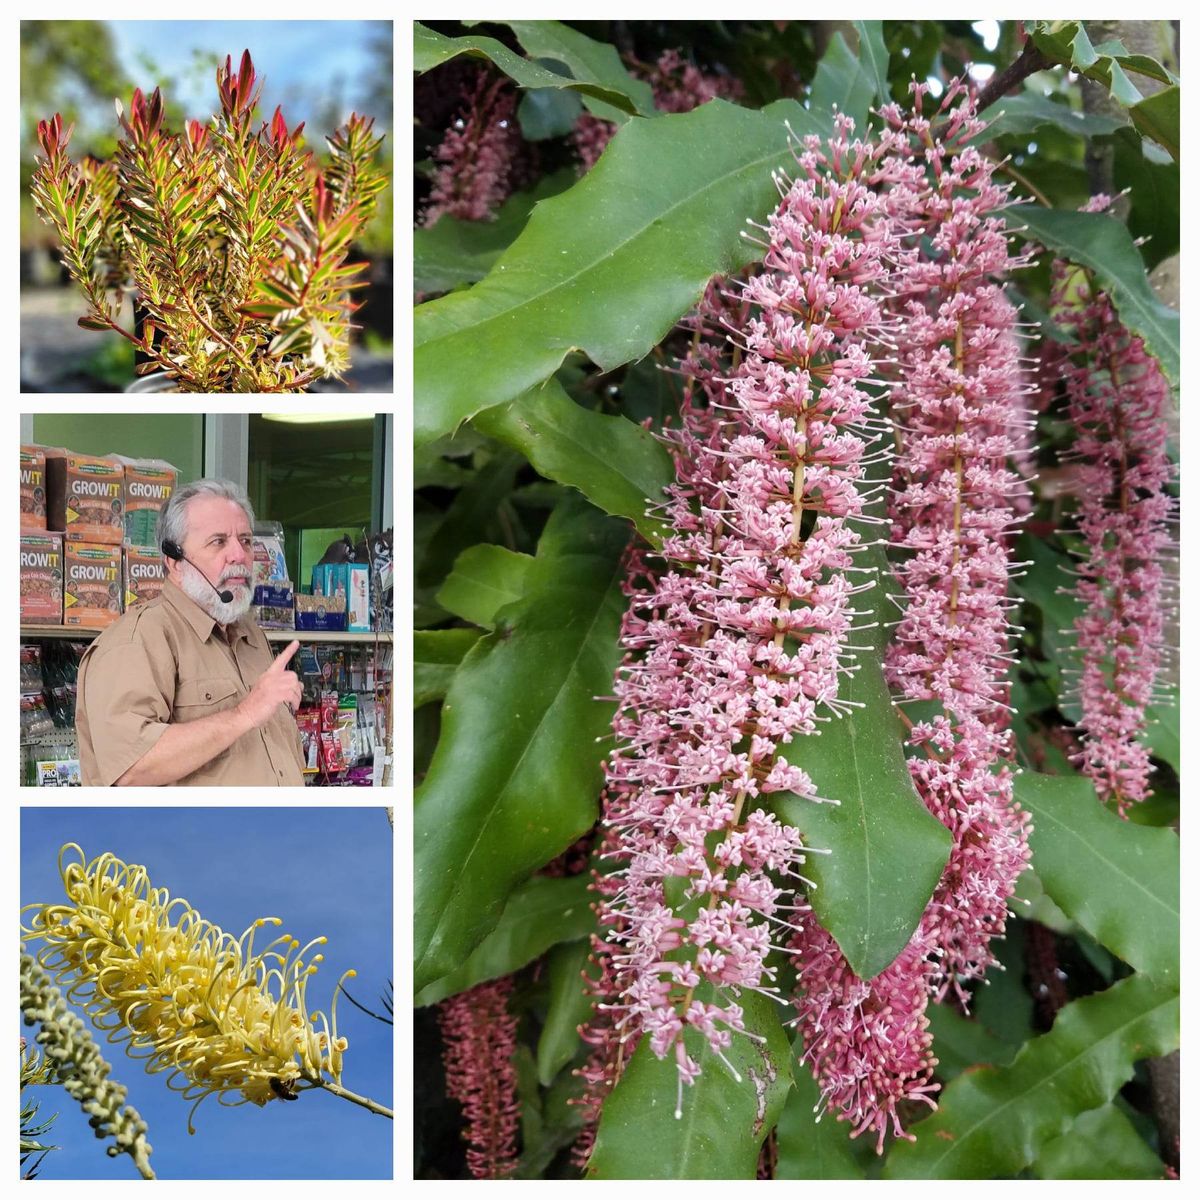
(995, 1121)
(569, 1006)
(1101, 1144)
(1119, 881)
(723, 1122)
(451, 253)
(1103, 245)
(1157, 117)
(873, 52)
(517, 771)
(1028, 111)
(608, 267)
(619, 466)
(888, 850)
(1067, 42)
(842, 81)
(539, 914)
(482, 581)
(586, 58)
(436, 655)
(431, 49)
(809, 1146)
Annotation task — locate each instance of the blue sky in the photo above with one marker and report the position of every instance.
(323, 871)
(303, 62)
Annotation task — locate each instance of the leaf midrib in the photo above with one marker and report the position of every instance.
(1042, 1081)
(609, 253)
(568, 674)
(1114, 866)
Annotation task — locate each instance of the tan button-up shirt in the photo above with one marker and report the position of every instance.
(167, 662)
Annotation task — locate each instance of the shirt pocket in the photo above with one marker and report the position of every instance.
(196, 698)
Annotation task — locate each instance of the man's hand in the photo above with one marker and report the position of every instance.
(275, 686)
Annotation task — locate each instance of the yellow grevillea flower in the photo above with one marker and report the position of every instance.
(182, 994)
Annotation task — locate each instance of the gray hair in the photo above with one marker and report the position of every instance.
(172, 517)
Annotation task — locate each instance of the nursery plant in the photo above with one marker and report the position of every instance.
(229, 238)
(795, 696)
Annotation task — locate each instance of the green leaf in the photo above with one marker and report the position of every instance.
(1003, 1005)
(431, 49)
(808, 1146)
(1157, 117)
(842, 81)
(723, 1121)
(1162, 727)
(546, 113)
(585, 58)
(619, 466)
(1103, 245)
(609, 266)
(482, 581)
(436, 655)
(1101, 1144)
(470, 517)
(960, 1043)
(1029, 111)
(873, 52)
(1119, 881)
(539, 914)
(570, 1006)
(995, 1121)
(888, 850)
(517, 771)
(453, 252)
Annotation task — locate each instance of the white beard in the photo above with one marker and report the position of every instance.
(195, 586)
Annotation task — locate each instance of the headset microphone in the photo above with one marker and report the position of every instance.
(174, 551)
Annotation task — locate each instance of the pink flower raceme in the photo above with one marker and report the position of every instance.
(953, 515)
(479, 1038)
(957, 388)
(475, 159)
(735, 648)
(868, 1042)
(1117, 401)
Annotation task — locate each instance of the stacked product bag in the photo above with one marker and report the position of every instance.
(149, 483)
(88, 546)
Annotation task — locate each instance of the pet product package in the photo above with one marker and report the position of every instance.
(270, 565)
(317, 613)
(41, 578)
(85, 496)
(33, 487)
(92, 584)
(145, 574)
(149, 483)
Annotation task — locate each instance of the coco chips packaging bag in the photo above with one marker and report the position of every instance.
(149, 483)
(85, 496)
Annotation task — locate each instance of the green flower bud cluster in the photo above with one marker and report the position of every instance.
(80, 1067)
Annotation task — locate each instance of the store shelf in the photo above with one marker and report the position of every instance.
(273, 635)
(303, 636)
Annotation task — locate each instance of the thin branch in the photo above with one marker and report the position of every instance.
(1028, 62)
(371, 1105)
(361, 1008)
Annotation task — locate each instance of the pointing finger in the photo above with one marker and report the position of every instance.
(286, 657)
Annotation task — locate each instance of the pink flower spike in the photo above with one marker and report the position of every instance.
(1118, 401)
(735, 647)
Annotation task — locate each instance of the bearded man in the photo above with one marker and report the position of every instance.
(183, 689)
